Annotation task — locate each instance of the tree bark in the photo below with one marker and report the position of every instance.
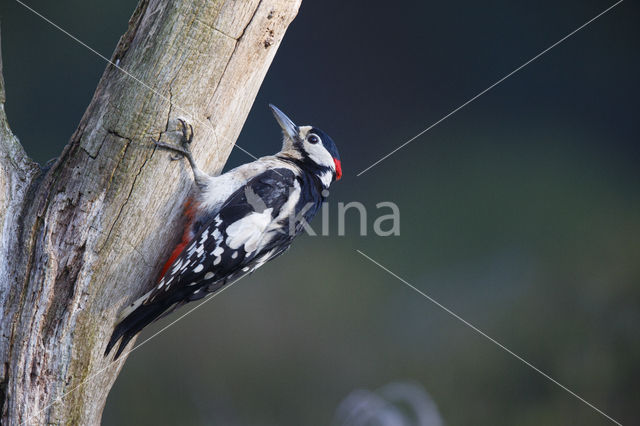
(86, 235)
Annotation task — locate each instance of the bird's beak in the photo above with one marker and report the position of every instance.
(288, 127)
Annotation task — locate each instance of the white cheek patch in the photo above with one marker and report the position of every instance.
(319, 155)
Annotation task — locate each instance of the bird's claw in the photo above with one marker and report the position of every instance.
(187, 132)
(183, 149)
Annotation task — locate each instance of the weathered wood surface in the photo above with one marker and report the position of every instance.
(87, 235)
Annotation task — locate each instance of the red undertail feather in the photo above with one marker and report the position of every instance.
(190, 207)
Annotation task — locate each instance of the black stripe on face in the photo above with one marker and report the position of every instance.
(327, 142)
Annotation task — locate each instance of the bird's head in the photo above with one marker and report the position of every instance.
(311, 146)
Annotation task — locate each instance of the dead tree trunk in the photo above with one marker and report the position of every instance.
(86, 235)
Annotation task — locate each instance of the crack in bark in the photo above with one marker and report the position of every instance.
(95, 156)
(166, 127)
(235, 47)
(224, 72)
(117, 218)
(216, 29)
(118, 135)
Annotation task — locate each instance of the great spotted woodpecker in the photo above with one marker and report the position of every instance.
(237, 221)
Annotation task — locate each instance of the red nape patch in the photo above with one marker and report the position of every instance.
(338, 168)
(190, 207)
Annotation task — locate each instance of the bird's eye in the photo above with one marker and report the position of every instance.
(313, 139)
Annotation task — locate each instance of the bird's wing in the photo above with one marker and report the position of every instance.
(244, 230)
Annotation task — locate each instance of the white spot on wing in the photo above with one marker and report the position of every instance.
(176, 266)
(248, 231)
(198, 268)
(218, 253)
(208, 275)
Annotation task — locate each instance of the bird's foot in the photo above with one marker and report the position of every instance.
(184, 149)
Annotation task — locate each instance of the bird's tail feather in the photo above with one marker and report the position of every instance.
(138, 315)
(131, 325)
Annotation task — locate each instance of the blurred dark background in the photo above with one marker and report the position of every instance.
(521, 213)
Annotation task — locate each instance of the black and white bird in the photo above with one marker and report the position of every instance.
(237, 221)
